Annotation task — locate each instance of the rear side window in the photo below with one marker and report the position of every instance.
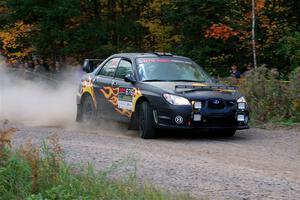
(110, 67)
(124, 69)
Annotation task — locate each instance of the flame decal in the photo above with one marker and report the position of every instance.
(136, 95)
(88, 87)
(111, 94)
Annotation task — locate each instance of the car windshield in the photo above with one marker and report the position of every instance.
(154, 69)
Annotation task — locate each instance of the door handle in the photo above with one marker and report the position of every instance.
(114, 84)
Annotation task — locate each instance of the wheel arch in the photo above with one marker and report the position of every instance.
(84, 96)
(133, 124)
(79, 106)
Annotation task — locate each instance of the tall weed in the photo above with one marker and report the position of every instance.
(294, 93)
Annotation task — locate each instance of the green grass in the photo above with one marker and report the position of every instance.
(32, 173)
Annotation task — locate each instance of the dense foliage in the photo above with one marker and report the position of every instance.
(271, 99)
(216, 33)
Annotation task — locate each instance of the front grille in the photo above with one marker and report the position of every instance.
(230, 103)
(216, 104)
(218, 120)
(215, 122)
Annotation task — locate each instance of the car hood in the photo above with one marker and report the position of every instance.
(199, 93)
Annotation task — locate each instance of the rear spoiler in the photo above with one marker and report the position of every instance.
(189, 88)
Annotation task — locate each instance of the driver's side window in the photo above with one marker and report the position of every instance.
(109, 68)
(124, 68)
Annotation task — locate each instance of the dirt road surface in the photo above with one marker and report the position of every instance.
(255, 164)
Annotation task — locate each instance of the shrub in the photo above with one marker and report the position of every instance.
(294, 93)
(271, 99)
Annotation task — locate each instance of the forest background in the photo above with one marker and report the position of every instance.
(215, 33)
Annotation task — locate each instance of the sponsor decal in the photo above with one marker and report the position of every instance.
(125, 98)
(148, 60)
(111, 95)
(154, 60)
(181, 61)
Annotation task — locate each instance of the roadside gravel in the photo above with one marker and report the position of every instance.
(255, 164)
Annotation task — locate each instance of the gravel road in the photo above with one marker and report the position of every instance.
(255, 164)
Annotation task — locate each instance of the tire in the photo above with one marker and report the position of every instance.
(88, 110)
(147, 128)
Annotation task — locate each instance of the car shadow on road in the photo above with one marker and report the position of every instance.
(202, 135)
(177, 134)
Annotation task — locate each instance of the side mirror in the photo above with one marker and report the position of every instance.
(129, 78)
(87, 67)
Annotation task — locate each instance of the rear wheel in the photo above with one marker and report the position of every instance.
(88, 110)
(147, 128)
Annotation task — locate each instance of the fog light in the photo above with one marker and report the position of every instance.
(241, 118)
(197, 117)
(198, 105)
(241, 106)
(178, 119)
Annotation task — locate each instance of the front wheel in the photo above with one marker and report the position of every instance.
(147, 128)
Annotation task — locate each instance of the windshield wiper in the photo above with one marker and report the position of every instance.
(153, 80)
(183, 80)
(179, 80)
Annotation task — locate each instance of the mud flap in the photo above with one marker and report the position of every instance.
(79, 113)
(133, 124)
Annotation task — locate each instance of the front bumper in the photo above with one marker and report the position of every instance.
(210, 118)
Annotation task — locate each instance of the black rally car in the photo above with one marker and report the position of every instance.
(154, 91)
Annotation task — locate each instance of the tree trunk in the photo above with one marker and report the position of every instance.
(96, 8)
(253, 35)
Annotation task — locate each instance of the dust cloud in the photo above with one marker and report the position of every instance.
(46, 102)
(41, 102)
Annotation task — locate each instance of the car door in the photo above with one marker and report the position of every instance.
(106, 95)
(126, 90)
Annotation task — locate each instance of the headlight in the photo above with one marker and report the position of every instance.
(242, 103)
(241, 100)
(176, 100)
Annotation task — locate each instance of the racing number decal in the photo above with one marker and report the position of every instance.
(125, 98)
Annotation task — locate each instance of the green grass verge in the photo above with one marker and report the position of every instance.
(32, 173)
